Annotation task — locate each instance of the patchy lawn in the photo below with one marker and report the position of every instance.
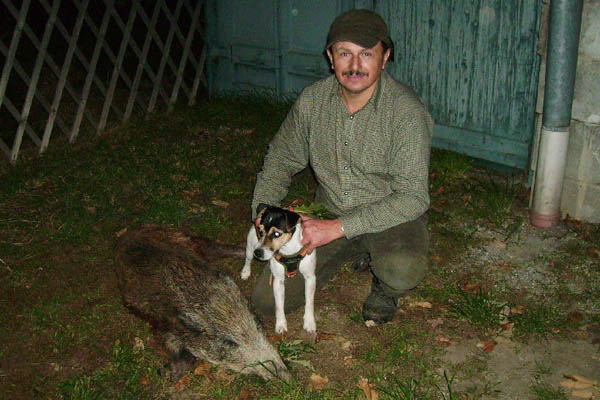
(507, 311)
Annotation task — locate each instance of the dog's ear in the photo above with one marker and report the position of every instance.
(260, 208)
(291, 219)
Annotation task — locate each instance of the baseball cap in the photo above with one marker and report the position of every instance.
(362, 27)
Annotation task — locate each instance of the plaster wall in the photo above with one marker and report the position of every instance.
(580, 197)
(581, 187)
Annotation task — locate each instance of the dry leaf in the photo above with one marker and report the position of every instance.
(471, 287)
(437, 259)
(434, 323)
(121, 232)
(370, 323)
(138, 344)
(368, 389)
(202, 369)
(487, 346)
(575, 385)
(443, 341)
(317, 382)
(347, 345)
(423, 304)
(517, 309)
(182, 383)
(144, 381)
(578, 378)
(498, 244)
(325, 336)
(583, 394)
(220, 203)
(247, 394)
(507, 328)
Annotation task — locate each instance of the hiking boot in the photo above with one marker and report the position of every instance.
(362, 264)
(379, 307)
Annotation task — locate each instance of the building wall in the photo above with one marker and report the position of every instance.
(581, 188)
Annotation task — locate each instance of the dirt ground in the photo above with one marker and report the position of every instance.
(506, 371)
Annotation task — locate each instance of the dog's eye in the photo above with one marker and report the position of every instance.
(276, 234)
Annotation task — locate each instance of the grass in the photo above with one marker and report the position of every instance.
(128, 375)
(66, 334)
(479, 308)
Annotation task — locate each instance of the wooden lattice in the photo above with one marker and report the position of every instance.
(111, 58)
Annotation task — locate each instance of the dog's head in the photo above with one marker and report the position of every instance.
(274, 228)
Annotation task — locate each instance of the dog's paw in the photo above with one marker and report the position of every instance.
(281, 327)
(245, 272)
(310, 325)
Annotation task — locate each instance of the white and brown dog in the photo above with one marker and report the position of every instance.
(276, 237)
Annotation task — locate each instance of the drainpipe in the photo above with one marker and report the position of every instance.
(561, 63)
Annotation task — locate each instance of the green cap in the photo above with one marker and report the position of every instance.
(362, 27)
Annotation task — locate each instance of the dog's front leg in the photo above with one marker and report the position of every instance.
(310, 284)
(251, 242)
(279, 295)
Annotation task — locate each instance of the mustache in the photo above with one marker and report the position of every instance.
(352, 72)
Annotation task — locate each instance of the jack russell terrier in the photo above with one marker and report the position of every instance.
(276, 237)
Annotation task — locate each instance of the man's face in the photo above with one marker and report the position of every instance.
(356, 68)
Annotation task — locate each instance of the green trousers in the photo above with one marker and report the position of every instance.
(398, 259)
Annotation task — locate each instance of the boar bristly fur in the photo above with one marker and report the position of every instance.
(201, 313)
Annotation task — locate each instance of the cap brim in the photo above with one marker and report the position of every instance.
(366, 42)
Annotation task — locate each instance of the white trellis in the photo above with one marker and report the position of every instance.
(135, 55)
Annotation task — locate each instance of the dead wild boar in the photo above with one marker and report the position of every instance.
(164, 278)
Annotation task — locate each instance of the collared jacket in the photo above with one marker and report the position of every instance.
(371, 166)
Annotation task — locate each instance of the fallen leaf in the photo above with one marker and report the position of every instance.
(202, 369)
(368, 389)
(443, 341)
(498, 244)
(422, 304)
(583, 394)
(594, 252)
(182, 383)
(370, 323)
(144, 381)
(471, 287)
(220, 203)
(121, 232)
(347, 345)
(507, 329)
(576, 385)
(518, 309)
(434, 323)
(578, 378)
(487, 345)
(325, 336)
(247, 394)
(138, 344)
(437, 259)
(317, 382)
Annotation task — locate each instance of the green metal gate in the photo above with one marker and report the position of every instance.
(474, 62)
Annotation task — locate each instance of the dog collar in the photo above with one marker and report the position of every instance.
(291, 262)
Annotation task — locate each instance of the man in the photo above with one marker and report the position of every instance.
(367, 139)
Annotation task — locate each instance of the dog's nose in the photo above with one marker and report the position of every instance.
(259, 253)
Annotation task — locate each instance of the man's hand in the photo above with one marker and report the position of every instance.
(318, 232)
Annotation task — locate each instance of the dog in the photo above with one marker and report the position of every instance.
(276, 237)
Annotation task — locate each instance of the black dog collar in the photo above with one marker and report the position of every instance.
(291, 262)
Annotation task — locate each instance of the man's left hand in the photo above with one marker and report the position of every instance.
(319, 232)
